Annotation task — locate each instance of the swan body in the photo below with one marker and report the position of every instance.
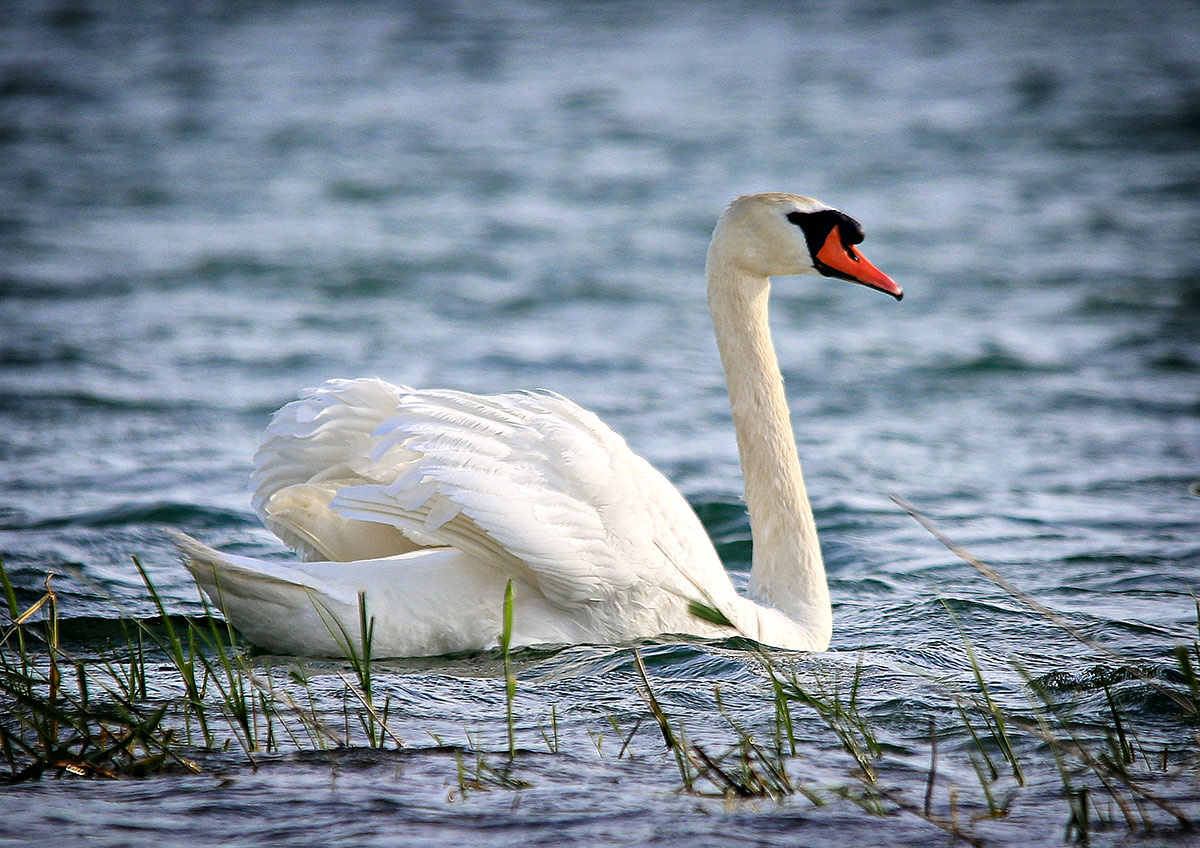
(422, 505)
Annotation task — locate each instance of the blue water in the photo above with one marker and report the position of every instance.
(205, 207)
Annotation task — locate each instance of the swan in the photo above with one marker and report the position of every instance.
(422, 505)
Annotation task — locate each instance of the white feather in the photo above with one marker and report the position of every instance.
(426, 503)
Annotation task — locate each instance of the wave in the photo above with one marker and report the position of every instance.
(94, 630)
(992, 360)
(82, 398)
(728, 525)
(170, 513)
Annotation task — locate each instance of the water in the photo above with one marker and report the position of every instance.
(203, 210)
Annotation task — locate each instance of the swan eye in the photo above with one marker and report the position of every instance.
(817, 226)
(851, 230)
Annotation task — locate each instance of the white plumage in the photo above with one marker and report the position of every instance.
(428, 502)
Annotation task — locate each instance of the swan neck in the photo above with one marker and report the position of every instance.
(788, 572)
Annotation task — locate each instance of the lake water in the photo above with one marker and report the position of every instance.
(205, 207)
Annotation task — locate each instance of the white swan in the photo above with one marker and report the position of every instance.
(429, 502)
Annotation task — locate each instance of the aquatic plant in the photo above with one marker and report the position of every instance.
(87, 726)
(1107, 777)
(171, 688)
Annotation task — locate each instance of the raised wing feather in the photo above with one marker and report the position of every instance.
(325, 433)
(529, 483)
(315, 446)
(534, 478)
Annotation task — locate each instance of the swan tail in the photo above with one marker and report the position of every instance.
(276, 607)
(219, 573)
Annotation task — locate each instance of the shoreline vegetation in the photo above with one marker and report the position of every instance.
(172, 689)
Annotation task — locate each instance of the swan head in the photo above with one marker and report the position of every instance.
(778, 235)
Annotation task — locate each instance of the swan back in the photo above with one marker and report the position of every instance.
(529, 484)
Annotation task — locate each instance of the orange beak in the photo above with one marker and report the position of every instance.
(849, 263)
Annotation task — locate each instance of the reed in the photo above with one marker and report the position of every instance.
(551, 737)
(483, 775)
(91, 729)
(1107, 778)
(172, 644)
(1111, 764)
(103, 716)
(95, 717)
(358, 652)
(510, 680)
(745, 769)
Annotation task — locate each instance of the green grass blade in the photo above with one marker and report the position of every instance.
(510, 681)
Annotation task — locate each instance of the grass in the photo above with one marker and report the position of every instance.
(172, 688)
(1102, 783)
(61, 717)
(484, 775)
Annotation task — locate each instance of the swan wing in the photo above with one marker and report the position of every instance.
(315, 446)
(538, 487)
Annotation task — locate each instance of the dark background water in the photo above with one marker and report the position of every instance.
(205, 207)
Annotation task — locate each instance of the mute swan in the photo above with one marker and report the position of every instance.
(429, 502)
